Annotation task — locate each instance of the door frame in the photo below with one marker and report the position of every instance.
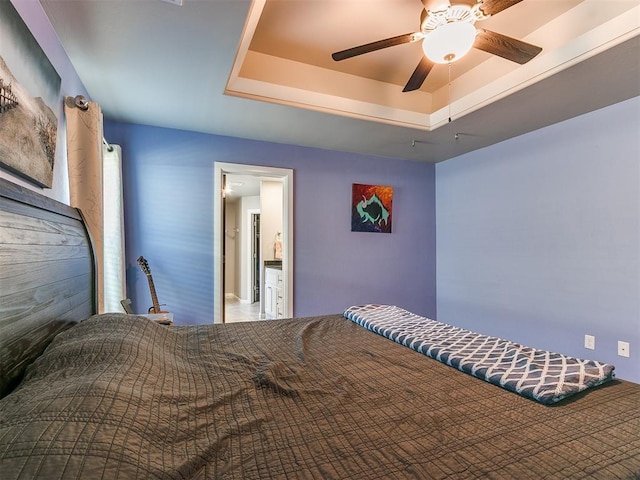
(286, 176)
(255, 256)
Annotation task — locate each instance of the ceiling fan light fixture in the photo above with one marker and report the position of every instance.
(449, 42)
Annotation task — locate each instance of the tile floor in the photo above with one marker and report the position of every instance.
(240, 312)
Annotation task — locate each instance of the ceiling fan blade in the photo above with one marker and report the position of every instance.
(423, 16)
(373, 46)
(505, 47)
(491, 7)
(419, 75)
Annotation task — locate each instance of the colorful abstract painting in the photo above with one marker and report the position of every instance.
(371, 208)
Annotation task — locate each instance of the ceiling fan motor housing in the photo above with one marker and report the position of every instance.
(449, 32)
(451, 14)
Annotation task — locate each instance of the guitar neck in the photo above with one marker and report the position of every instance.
(154, 295)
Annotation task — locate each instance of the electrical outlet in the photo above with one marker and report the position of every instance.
(623, 348)
(590, 342)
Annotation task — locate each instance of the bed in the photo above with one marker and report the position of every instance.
(118, 396)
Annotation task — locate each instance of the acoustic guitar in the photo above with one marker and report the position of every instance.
(144, 266)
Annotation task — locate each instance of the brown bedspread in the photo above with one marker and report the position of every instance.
(122, 397)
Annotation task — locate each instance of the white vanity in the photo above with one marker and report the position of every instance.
(273, 291)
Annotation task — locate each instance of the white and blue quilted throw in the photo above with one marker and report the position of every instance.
(543, 376)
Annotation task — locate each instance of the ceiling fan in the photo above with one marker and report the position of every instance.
(448, 32)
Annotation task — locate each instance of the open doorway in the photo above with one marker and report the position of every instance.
(254, 240)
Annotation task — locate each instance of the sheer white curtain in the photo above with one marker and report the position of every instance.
(95, 187)
(114, 260)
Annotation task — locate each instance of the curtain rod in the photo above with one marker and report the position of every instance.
(109, 147)
(83, 104)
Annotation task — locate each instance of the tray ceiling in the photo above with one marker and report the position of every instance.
(262, 70)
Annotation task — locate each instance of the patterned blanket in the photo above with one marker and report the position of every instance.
(543, 376)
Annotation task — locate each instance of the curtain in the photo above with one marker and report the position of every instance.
(95, 179)
(114, 261)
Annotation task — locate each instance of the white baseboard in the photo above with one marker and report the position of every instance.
(231, 296)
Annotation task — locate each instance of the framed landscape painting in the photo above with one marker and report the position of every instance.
(29, 96)
(371, 208)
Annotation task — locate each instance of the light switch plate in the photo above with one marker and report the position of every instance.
(590, 342)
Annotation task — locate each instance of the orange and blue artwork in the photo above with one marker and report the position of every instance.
(371, 208)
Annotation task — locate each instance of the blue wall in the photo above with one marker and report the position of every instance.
(168, 194)
(538, 237)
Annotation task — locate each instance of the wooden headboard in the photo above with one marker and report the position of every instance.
(47, 280)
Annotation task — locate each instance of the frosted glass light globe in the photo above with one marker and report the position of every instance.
(449, 42)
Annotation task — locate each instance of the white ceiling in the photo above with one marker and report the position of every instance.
(238, 186)
(263, 70)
